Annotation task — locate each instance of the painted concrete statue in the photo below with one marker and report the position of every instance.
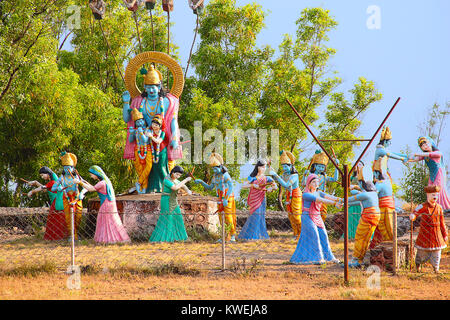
(370, 217)
(150, 4)
(159, 111)
(143, 162)
(433, 233)
(354, 211)
(290, 182)
(98, 8)
(313, 246)
(382, 153)
(318, 166)
(435, 162)
(67, 183)
(196, 6)
(56, 228)
(223, 184)
(259, 184)
(109, 227)
(170, 226)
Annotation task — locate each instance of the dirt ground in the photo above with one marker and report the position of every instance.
(35, 269)
(104, 275)
(292, 285)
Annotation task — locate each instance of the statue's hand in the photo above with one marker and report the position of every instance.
(225, 202)
(174, 144)
(29, 194)
(272, 173)
(33, 183)
(126, 97)
(131, 130)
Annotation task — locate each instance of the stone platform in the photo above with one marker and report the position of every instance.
(140, 212)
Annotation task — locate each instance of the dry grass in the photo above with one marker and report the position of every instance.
(291, 285)
(34, 269)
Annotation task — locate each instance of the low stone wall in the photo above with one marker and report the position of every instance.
(140, 213)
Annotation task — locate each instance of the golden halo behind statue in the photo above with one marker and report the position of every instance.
(138, 61)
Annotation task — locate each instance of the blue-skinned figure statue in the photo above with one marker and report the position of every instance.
(318, 166)
(142, 162)
(68, 184)
(154, 101)
(370, 217)
(223, 184)
(382, 153)
(290, 182)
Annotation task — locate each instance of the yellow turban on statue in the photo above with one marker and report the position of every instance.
(386, 133)
(68, 159)
(215, 160)
(287, 157)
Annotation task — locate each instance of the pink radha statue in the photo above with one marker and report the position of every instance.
(434, 161)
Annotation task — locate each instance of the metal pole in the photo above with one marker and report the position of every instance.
(315, 138)
(375, 134)
(345, 185)
(411, 226)
(110, 51)
(394, 242)
(223, 241)
(72, 231)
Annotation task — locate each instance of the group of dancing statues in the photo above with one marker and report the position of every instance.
(153, 145)
(371, 204)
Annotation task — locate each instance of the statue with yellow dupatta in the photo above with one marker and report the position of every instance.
(290, 181)
(155, 103)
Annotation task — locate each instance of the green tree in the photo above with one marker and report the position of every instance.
(301, 74)
(49, 105)
(230, 71)
(27, 34)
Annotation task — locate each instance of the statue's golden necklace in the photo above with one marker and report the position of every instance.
(149, 109)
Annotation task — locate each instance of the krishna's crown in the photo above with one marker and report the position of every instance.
(287, 157)
(386, 133)
(68, 159)
(215, 160)
(136, 114)
(319, 158)
(152, 76)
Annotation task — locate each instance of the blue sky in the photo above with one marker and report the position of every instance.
(407, 57)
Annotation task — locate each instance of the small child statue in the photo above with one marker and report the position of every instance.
(433, 233)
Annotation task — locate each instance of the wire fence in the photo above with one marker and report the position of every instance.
(138, 237)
